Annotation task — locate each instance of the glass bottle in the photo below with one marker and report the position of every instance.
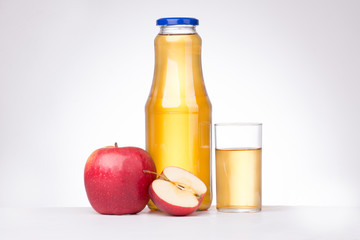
(178, 110)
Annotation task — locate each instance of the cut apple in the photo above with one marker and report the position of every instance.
(177, 191)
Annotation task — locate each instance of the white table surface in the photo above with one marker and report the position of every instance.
(272, 223)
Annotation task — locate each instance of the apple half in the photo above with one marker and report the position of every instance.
(177, 191)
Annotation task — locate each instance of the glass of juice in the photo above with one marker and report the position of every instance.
(238, 166)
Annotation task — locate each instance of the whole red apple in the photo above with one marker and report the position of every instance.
(115, 182)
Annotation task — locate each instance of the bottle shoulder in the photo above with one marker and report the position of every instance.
(185, 105)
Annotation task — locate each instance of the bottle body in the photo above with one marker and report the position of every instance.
(178, 110)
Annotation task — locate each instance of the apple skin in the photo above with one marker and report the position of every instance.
(170, 208)
(115, 182)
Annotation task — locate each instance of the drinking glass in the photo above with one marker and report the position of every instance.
(238, 166)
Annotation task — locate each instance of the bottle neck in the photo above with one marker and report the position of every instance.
(178, 64)
(180, 50)
(177, 29)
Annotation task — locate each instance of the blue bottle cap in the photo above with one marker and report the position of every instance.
(177, 21)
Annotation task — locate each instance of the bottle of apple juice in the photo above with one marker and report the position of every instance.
(178, 109)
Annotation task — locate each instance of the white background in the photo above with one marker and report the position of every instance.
(75, 76)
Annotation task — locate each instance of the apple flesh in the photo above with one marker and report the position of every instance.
(177, 191)
(115, 181)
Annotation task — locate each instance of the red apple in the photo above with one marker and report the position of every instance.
(177, 191)
(115, 181)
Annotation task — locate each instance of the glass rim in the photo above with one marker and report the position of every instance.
(239, 124)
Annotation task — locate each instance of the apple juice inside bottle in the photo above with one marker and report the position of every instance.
(178, 110)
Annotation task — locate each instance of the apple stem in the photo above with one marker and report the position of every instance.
(147, 171)
(116, 144)
(161, 176)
